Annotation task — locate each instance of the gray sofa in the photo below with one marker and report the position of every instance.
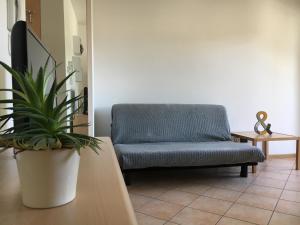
(177, 135)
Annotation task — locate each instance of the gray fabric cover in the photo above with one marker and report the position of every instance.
(179, 154)
(141, 123)
(162, 135)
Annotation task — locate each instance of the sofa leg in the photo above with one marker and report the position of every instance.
(126, 178)
(244, 171)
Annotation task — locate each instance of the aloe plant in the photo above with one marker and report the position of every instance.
(46, 124)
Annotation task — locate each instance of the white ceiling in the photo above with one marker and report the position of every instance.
(80, 10)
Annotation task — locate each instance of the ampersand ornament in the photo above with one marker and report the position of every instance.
(262, 117)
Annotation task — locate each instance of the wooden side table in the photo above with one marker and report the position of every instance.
(265, 139)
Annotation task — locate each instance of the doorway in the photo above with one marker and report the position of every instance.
(65, 29)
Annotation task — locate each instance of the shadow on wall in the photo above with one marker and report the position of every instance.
(103, 123)
(2, 85)
(298, 90)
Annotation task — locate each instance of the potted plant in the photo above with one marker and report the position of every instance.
(47, 154)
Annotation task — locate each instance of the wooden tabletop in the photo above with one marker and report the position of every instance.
(102, 197)
(251, 135)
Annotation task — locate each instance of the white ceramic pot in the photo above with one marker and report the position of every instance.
(48, 178)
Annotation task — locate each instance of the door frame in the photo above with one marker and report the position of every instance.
(90, 63)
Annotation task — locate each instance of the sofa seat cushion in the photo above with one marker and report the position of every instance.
(182, 154)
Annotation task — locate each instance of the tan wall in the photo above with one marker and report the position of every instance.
(53, 35)
(241, 54)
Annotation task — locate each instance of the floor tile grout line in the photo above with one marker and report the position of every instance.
(169, 220)
(151, 216)
(156, 198)
(244, 220)
(210, 188)
(279, 198)
(189, 192)
(188, 206)
(235, 203)
(288, 214)
(290, 200)
(267, 186)
(240, 220)
(180, 211)
(242, 191)
(282, 189)
(221, 216)
(257, 207)
(199, 195)
(153, 197)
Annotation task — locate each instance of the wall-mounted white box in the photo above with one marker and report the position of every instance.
(76, 45)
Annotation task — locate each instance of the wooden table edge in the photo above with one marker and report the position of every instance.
(102, 196)
(266, 138)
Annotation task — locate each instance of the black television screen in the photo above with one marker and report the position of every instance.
(37, 56)
(27, 52)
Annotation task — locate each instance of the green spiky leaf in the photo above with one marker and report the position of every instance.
(46, 125)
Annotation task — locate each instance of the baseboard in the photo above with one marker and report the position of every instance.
(282, 156)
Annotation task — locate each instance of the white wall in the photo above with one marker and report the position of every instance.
(5, 78)
(4, 39)
(4, 53)
(90, 64)
(74, 28)
(241, 54)
(71, 29)
(53, 36)
(82, 34)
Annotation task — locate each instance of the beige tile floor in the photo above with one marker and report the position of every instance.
(218, 196)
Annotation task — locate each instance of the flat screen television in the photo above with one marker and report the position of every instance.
(27, 52)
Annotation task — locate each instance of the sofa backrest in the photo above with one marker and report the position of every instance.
(141, 123)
